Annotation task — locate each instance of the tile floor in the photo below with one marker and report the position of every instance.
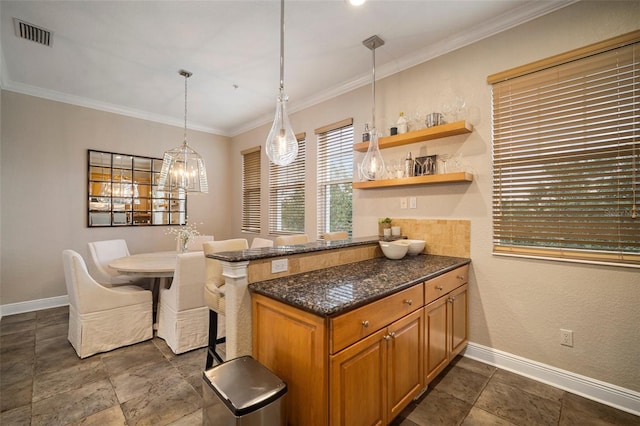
(43, 382)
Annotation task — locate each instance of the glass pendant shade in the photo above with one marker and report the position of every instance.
(282, 145)
(183, 169)
(372, 166)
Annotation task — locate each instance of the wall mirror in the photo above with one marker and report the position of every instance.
(123, 191)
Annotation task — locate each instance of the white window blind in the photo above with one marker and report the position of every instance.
(566, 146)
(251, 190)
(335, 177)
(286, 194)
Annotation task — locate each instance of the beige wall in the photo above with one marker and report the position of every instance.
(44, 186)
(516, 305)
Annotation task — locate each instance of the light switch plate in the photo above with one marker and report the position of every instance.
(412, 202)
(279, 265)
(403, 202)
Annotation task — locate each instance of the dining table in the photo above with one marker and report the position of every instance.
(160, 266)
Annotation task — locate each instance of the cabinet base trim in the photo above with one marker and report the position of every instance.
(587, 387)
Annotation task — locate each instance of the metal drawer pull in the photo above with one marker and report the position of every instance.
(460, 277)
(439, 288)
(387, 337)
(365, 324)
(408, 302)
(393, 334)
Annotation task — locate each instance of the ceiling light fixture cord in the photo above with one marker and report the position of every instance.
(282, 145)
(372, 166)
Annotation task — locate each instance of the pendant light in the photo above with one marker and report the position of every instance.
(282, 145)
(372, 166)
(182, 168)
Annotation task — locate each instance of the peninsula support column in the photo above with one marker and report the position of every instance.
(238, 309)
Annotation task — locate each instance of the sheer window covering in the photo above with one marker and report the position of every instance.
(251, 190)
(566, 146)
(335, 177)
(287, 194)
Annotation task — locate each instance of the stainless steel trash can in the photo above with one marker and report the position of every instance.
(243, 392)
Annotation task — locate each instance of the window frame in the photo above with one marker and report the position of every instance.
(334, 145)
(529, 148)
(251, 190)
(291, 180)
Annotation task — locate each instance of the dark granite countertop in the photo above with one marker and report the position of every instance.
(267, 252)
(336, 290)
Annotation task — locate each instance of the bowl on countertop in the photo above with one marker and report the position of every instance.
(415, 247)
(395, 249)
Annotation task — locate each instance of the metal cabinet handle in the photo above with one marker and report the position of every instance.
(392, 334)
(408, 302)
(365, 324)
(460, 277)
(439, 287)
(387, 337)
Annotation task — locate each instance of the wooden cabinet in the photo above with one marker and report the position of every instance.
(445, 317)
(430, 133)
(293, 345)
(373, 380)
(365, 366)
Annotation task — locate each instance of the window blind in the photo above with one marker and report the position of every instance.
(251, 190)
(566, 160)
(335, 177)
(286, 194)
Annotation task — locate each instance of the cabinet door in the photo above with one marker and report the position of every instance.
(292, 344)
(436, 342)
(404, 361)
(358, 383)
(459, 322)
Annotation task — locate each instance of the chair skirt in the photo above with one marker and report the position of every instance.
(184, 330)
(106, 330)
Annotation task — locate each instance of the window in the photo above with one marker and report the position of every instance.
(335, 176)
(566, 147)
(251, 190)
(286, 194)
(123, 191)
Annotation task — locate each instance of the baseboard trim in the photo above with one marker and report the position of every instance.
(33, 305)
(602, 392)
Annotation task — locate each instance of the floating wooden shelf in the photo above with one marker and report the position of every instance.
(435, 132)
(416, 180)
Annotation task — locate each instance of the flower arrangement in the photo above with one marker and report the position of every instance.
(183, 234)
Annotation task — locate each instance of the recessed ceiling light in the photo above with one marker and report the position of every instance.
(357, 2)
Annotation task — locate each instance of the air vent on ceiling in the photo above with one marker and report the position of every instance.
(29, 31)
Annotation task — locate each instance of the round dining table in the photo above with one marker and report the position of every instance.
(160, 264)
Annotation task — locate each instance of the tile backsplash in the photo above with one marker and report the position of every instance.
(442, 236)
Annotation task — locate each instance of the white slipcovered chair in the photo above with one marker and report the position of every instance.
(261, 242)
(103, 318)
(291, 240)
(336, 235)
(101, 253)
(214, 292)
(183, 318)
(195, 242)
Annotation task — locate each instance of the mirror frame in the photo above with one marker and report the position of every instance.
(123, 191)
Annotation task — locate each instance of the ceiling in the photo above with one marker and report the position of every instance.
(124, 56)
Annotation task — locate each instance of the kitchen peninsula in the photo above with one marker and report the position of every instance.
(356, 336)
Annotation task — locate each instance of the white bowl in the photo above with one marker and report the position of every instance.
(415, 247)
(393, 250)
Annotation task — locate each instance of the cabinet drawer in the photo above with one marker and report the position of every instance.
(353, 326)
(443, 284)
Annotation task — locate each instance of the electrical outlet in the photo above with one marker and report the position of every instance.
(412, 202)
(279, 265)
(566, 338)
(403, 202)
